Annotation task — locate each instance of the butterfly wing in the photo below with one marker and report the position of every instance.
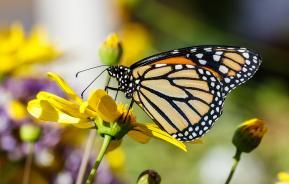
(232, 65)
(184, 100)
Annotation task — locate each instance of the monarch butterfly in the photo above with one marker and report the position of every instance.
(184, 90)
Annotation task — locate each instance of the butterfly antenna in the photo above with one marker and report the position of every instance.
(92, 82)
(76, 75)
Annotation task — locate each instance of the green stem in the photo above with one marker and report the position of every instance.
(237, 158)
(105, 144)
(28, 163)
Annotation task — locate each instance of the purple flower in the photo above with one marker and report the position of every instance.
(49, 150)
(25, 89)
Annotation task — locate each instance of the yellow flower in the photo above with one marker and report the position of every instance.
(249, 135)
(116, 158)
(11, 38)
(283, 178)
(37, 48)
(136, 43)
(17, 110)
(18, 50)
(99, 111)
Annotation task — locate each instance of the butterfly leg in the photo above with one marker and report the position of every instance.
(113, 89)
(107, 83)
(130, 106)
(110, 88)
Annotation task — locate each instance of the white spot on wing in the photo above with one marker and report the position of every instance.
(208, 49)
(208, 73)
(190, 66)
(223, 69)
(160, 65)
(200, 55)
(178, 67)
(201, 71)
(193, 50)
(175, 52)
(216, 57)
(246, 55)
(202, 62)
(227, 80)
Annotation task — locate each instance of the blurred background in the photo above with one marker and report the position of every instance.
(75, 28)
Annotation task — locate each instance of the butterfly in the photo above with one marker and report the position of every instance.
(183, 90)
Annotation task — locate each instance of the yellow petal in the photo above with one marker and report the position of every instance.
(61, 104)
(17, 110)
(197, 141)
(153, 131)
(84, 109)
(44, 111)
(139, 136)
(11, 39)
(283, 176)
(83, 106)
(7, 64)
(65, 87)
(38, 35)
(84, 124)
(113, 145)
(94, 98)
(116, 159)
(136, 42)
(37, 48)
(103, 105)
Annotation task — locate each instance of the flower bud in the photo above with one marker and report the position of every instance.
(30, 133)
(249, 134)
(110, 50)
(149, 177)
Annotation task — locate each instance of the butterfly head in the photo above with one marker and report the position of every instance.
(124, 77)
